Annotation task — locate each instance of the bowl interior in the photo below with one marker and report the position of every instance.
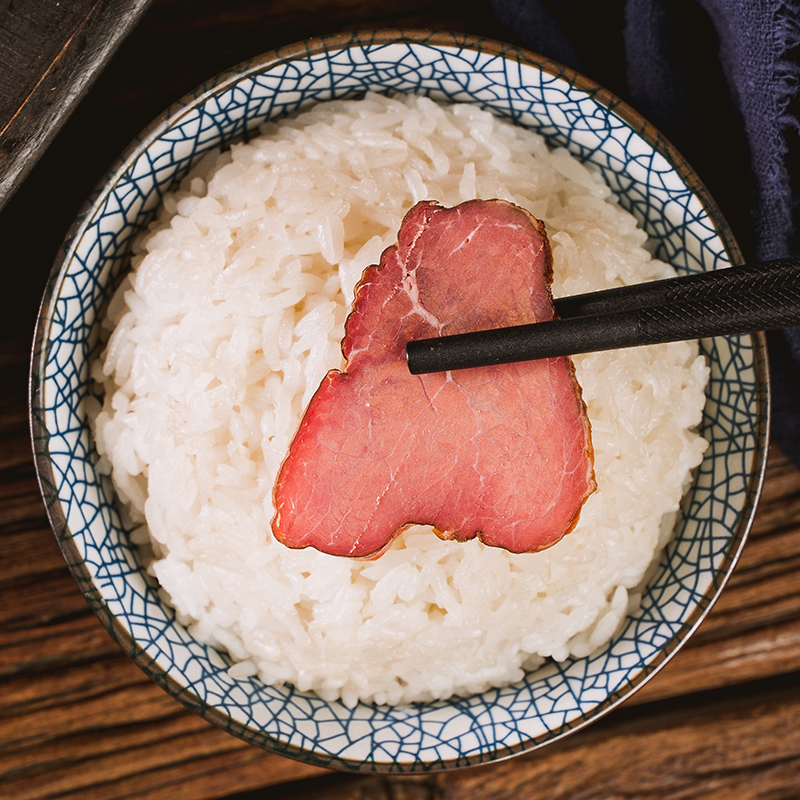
(650, 180)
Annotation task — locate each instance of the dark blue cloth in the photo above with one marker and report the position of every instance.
(720, 79)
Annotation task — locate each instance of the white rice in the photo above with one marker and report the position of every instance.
(230, 317)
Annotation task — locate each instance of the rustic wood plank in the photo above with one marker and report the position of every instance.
(52, 647)
(348, 787)
(743, 747)
(32, 34)
(34, 608)
(50, 53)
(719, 746)
(133, 705)
(52, 639)
(19, 496)
(779, 504)
(47, 689)
(30, 551)
(138, 740)
(179, 754)
(767, 651)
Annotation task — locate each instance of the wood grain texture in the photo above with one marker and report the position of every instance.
(50, 53)
(730, 748)
(723, 748)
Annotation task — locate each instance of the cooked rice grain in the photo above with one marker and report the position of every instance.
(230, 317)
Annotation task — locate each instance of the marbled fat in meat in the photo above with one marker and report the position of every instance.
(501, 452)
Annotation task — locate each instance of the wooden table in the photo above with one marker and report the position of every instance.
(79, 720)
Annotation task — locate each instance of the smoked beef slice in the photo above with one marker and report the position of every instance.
(500, 452)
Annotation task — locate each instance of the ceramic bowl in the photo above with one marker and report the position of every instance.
(651, 180)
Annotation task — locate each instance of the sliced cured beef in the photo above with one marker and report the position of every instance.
(503, 452)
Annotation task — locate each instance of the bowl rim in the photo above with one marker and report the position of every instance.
(167, 119)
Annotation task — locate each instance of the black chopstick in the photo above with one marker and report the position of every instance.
(729, 301)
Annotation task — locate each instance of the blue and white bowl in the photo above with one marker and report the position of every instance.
(652, 181)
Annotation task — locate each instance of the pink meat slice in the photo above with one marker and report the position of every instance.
(503, 453)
